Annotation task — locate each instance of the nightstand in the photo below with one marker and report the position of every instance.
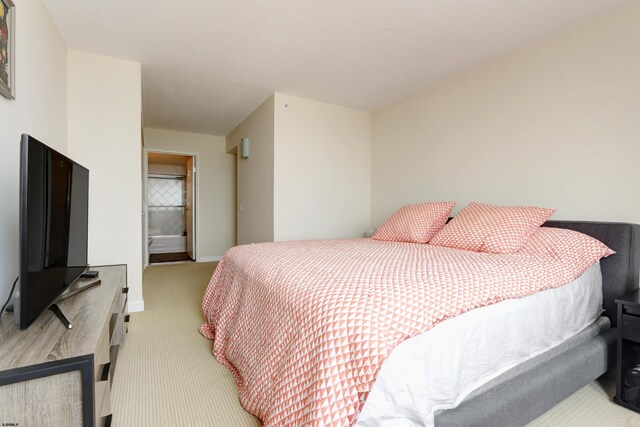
(628, 354)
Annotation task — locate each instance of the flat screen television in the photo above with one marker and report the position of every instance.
(54, 207)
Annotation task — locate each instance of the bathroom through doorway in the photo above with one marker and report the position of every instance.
(170, 207)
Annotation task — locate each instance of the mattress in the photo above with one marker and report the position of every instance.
(436, 370)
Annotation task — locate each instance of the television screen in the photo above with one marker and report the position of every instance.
(54, 204)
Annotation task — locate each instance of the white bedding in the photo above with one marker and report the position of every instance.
(439, 368)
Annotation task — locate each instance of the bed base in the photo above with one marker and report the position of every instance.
(521, 399)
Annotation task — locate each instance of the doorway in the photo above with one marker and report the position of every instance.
(170, 207)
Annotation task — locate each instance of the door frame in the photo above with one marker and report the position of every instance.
(196, 199)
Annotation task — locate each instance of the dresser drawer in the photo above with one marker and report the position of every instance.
(102, 391)
(101, 355)
(631, 328)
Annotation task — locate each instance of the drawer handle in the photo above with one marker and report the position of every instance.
(125, 290)
(105, 372)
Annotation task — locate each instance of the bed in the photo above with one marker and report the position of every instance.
(514, 397)
(528, 395)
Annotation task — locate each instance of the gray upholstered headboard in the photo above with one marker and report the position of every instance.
(620, 272)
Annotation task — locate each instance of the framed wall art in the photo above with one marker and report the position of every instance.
(7, 46)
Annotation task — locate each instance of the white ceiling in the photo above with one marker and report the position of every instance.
(207, 64)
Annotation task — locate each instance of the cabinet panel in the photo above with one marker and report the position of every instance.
(631, 328)
(30, 403)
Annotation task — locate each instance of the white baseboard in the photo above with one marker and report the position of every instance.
(209, 258)
(135, 306)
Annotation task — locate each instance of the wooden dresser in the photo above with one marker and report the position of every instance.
(50, 375)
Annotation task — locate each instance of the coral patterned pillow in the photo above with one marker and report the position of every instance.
(415, 223)
(562, 244)
(495, 229)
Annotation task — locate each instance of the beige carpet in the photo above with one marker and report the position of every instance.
(590, 406)
(166, 375)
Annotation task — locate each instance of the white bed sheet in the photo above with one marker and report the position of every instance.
(439, 368)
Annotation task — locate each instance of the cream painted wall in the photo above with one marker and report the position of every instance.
(555, 125)
(104, 134)
(255, 175)
(40, 109)
(322, 175)
(216, 181)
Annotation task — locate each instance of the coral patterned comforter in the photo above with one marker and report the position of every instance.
(305, 326)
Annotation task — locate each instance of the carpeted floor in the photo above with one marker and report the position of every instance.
(166, 375)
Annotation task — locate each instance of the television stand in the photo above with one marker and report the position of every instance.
(52, 376)
(60, 315)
